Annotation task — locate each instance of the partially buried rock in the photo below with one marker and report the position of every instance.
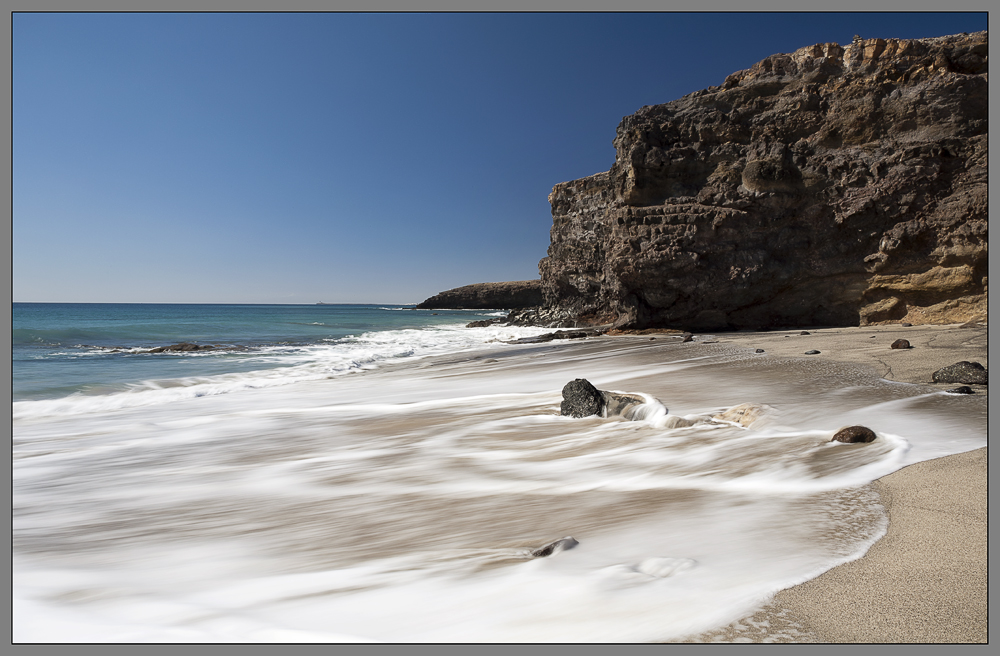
(805, 332)
(581, 399)
(812, 352)
(964, 389)
(853, 434)
(562, 544)
(967, 373)
(743, 414)
(759, 351)
(687, 337)
(900, 344)
(616, 404)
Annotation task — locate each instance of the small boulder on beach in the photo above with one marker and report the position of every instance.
(964, 389)
(581, 399)
(966, 373)
(854, 434)
(900, 344)
(812, 352)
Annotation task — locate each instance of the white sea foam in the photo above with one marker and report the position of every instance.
(287, 364)
(402, 504)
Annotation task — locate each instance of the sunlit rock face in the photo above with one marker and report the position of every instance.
(836, 185)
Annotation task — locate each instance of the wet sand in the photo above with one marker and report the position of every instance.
(925, 581)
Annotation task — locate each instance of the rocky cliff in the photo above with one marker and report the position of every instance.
(488, 295)
(836, 185)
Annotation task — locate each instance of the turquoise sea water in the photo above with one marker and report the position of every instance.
(62, 349)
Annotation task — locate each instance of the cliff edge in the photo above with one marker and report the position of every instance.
(836, 185)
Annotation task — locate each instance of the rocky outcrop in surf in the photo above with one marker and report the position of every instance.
(488, 295)
(836, 185)
(582, 399)
(854, 435)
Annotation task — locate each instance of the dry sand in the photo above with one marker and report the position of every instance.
(933, 347)
(926, 580)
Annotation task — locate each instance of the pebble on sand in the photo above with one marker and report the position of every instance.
(812, 352)
(900, 344)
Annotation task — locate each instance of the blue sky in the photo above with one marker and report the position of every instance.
(297, 158)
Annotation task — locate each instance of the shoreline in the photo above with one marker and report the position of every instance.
(925, 580)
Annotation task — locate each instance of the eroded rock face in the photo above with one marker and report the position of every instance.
(488, 295)
(830, 186)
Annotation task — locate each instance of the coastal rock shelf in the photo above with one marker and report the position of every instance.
(836, 185)
(488, 295)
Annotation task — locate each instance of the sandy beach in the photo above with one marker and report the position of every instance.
(925, 581)
(404, 502)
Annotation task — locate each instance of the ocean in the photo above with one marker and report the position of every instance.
(356, 473)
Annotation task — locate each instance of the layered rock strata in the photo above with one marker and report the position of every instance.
(836, 185)
(488, 295)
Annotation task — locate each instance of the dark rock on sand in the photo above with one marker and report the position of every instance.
(581, 399)
(968, 373)
(562, 544)
(759, 351)
(488, 295)
(688, 337)
(964, 389)
(853, 434)
(900, 344)
(805, 332)
(812, 352)
(834, 185)
(906, 325)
